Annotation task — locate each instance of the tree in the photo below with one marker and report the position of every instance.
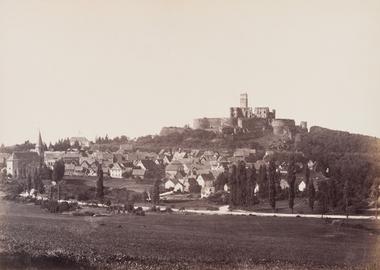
(76, 145)
(57, 175)
(232, 182)
(311, 194)
(332, 193)
(322, 197)
(29, 181)
(272, 184)
(375, 192)
(307, 175)
(99, 183)
(58, 171)
(346, 195)
(241, 192)
(220, 181)
(156, 192)
(37, 182)
(292, 170)
(251, 185)
(263, 181)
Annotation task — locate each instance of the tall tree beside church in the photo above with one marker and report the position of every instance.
(29, 181)
(272, 184)
(99, 183)
(251, 185)
(291, 180)
(58, 171)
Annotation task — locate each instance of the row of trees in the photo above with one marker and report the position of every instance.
(344, 190)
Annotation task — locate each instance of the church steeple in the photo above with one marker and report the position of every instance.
(40, 145)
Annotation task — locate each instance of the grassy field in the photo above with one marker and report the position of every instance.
(177, 241)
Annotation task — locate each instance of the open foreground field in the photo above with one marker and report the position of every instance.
(31, 237)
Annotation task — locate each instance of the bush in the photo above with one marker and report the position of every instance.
(168, 209)
(83, 197)
(129, 207)
(139, 211)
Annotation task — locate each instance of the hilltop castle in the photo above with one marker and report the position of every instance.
(247, 120)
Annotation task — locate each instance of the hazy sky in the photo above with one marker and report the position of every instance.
(76, 67)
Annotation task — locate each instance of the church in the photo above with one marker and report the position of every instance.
(19, 162)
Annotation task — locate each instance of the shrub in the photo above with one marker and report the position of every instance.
(139, 211)
(129, 207)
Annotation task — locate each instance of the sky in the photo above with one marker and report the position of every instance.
(92, 67)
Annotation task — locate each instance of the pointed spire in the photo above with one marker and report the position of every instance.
(39, 142)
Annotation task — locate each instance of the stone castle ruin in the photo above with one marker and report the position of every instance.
(244, 119)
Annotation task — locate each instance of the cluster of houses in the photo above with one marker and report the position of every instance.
(179, 170)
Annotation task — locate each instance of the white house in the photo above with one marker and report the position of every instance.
(117, 170)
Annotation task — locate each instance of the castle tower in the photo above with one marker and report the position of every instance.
(244, 100)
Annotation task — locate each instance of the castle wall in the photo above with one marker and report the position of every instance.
(284, 127)
(252, 124)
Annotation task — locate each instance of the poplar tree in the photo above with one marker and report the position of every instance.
(232, 185)
(251, 184)
(242, 184)
(311, 194)
(156, 192)
(263, 181)
(99, 183)
(272, 184)
(291, 181)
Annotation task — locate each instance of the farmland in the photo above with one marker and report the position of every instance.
(178, 241)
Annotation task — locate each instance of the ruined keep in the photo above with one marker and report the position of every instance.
(247, 119)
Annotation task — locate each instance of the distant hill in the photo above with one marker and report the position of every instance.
(322, 141)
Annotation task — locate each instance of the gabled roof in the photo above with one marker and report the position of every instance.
(148, 164)
(138, 172)
(208, 177)
(25, 155)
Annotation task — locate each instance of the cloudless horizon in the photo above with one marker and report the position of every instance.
(91, 68)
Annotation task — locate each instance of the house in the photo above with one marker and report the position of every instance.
(79, 171)
(138, 173)
(3, 159)
(179, 155)
(71, 157)
(206, 181)
(174, 184)
(18, 162)
(302, 186)
(117, 170)
(150, 167)
(174, 167)
(82, 141)
(69, 169)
